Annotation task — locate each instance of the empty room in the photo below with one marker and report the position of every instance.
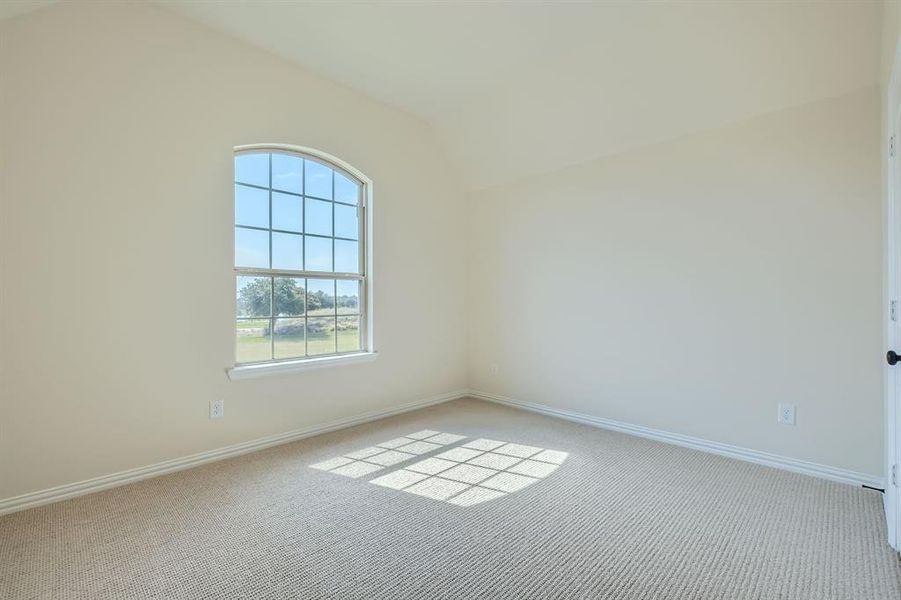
(497, 300)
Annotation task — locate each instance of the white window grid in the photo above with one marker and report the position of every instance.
(362, 314)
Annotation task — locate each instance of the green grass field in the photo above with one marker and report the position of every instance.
(256, 348)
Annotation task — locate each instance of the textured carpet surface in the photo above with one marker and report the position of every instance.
(621, 517)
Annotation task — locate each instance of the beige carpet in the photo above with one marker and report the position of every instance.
(618, 517)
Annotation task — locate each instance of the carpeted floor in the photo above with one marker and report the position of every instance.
(602, 515)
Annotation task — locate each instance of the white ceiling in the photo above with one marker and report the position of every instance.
(514, 89)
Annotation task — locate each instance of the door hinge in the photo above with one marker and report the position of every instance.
(893, 310)
(891, 146)
(895, 475)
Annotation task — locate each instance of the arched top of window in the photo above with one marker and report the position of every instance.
(284, 177)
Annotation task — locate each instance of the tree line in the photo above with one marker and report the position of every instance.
(254, 298)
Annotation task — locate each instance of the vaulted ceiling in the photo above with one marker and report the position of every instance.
(519, 88)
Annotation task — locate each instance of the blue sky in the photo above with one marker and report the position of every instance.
(293, 213)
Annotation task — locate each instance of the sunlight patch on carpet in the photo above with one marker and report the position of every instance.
(464, 475)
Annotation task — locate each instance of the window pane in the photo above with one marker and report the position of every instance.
(346, 190)
(319, 217)
(348, 334)
(254, 296)
(289, 338)
(320, 297)
(252, 169)
(251, 206)
(287, 173)
(294, 213)
(286, 251)
(321, 336)
(287, 212)
(318, 180)
(346, 225)
(289, 297)
(251, 248)
(252, 340)
(348, 296)
(319, 254)
(347, 259)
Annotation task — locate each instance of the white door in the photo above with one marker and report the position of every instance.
(892, 496)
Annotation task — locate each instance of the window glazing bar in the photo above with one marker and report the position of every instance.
(250, 272)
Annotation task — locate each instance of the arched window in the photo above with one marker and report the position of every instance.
(300, 256)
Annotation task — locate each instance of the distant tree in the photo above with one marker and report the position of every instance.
(288, 297)
(254, 298)
(348, 301)
(319, 299)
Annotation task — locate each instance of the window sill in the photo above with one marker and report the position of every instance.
(296, 366)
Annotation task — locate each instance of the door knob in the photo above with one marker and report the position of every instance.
(892, 358)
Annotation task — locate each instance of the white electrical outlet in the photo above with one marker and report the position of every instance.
(493, 369)
(217, 409)
(787, 414)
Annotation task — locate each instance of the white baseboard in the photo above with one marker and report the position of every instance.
(755, 456)
(88, 486)
(96, 484)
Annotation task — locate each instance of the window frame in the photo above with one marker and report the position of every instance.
(364, 276)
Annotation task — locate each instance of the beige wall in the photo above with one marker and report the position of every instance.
(117, 124)
(693, 285)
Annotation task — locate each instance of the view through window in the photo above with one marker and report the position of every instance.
(299, 258)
